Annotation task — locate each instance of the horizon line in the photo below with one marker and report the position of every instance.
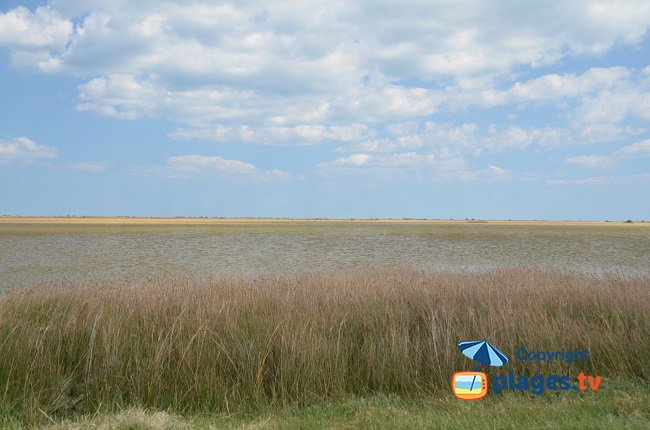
(6, 217)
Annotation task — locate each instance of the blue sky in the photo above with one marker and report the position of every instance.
(426, 109)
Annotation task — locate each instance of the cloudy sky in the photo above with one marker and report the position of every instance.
(428, 109)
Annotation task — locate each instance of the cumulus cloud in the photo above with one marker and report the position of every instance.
(350, 160)
(212, 165)
(636, 150)
(119, 96)
(598, 102)
(303, 71)
(274, 135)
(553, 87)
(613, 105)
(249, 39)
(225, 114)
(441, 165)
(37, 39)
(392, 96)
(468, 137)
(24, 150)
(21, 28)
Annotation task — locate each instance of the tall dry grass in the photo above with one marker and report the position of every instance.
(238, 344)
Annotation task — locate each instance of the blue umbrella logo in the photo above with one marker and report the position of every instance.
(482, 352)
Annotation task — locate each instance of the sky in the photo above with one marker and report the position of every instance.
(339, 109)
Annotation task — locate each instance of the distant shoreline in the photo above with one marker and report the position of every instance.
(207, 220)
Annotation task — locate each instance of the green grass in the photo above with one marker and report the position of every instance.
(311, 344)
(618, 405)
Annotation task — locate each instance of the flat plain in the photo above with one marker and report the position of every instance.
(249, 323)
(47, 250)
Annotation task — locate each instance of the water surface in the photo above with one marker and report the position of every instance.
(37, 253)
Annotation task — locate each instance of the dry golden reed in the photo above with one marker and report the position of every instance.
(237, 344)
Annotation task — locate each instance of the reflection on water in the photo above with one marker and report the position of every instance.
(39, 253)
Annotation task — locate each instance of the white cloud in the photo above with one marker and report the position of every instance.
(36, 39)
(593, 161)
(597, 102)
(402, 160)
(643, 178)
(499, 170)
(24, 150)
(305, 134)
(441, 165)
(21, 28)
(605, 132)
(554, 87)
(636, 150)
(194, 163)
(212, 165)
(119, 96)
(350, 160)
(226, 114)
(469, 138)
(611, 106)
(392, 96)
(305, 71)
(318, 132)
(432, 37)
(639, 149)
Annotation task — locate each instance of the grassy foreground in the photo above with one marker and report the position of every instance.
(620, 406)
(312, 348)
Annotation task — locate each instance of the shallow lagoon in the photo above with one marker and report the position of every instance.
(35, 253)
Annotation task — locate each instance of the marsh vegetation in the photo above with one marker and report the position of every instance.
(244, 344)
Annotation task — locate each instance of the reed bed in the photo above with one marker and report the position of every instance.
(240, 344)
